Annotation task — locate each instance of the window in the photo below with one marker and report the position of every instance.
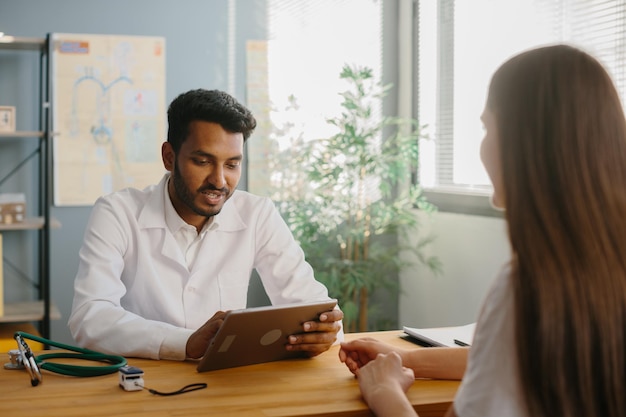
(459, 45)
(293, 78)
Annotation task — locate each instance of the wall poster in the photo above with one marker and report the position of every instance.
(109, 114)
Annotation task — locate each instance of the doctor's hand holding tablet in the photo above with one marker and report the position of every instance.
(263, 334)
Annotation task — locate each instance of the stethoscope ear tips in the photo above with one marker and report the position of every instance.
(24, 358)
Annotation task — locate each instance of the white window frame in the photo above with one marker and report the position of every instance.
(571, 22)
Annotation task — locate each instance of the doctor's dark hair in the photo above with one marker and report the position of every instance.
(209, 106)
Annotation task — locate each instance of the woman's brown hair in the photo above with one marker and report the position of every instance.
(562, 135)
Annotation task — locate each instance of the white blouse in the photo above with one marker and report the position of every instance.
(490, 386)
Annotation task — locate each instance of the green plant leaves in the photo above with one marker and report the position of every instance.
(347, 201)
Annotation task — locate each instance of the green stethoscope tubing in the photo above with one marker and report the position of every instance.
(115, 361)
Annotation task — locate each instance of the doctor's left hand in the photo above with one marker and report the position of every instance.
(318, 336)
(199, 341)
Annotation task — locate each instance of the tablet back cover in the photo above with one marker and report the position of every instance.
(259, 334)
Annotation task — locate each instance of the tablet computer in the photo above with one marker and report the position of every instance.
(259, 334)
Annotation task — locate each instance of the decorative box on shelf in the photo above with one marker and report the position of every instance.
(12, 208)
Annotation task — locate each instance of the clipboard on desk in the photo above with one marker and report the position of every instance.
(454, 336)
(259, 334)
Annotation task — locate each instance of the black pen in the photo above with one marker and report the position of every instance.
(458, 342)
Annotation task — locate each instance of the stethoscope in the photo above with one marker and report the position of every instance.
(23, 357)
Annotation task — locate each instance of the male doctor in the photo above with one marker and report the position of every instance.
(159, 267)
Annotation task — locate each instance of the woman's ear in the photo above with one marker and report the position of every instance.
(168, 155)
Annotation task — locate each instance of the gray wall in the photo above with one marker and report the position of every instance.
(197, 56)
(472, 250)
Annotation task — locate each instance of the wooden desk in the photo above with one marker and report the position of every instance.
(321, 386)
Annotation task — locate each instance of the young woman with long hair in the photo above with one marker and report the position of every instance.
(551, 336)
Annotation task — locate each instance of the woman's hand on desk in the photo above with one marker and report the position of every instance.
(432, 362)
(198, 342)
(360, 352)
(384, 382)
(318, 336)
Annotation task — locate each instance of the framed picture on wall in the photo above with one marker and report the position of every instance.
(7, 119)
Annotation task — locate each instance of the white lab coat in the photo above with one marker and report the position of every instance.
(134, 294)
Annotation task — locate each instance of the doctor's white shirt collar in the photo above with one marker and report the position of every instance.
(186, 236)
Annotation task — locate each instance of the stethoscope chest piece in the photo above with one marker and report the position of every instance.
(15, 360)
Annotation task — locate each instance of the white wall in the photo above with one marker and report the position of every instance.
(472, 249)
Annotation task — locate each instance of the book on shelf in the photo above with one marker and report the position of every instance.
(453, 336)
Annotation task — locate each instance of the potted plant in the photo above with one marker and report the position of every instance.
(347, 200)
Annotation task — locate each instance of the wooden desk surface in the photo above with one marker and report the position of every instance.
(321, 386)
